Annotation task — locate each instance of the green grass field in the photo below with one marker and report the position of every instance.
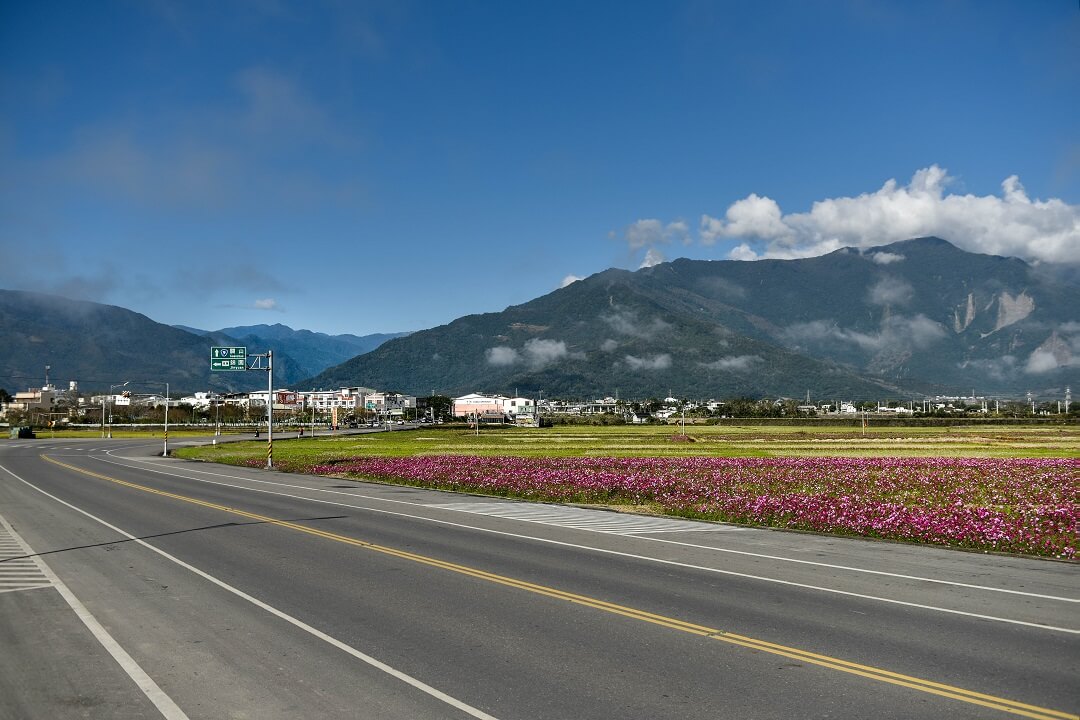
(662, 441)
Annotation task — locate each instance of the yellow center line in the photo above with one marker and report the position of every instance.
(866, 671)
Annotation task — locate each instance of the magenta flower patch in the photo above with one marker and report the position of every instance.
(1013, 505)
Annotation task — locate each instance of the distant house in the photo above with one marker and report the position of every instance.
(283, 399)
(477, 403)
(33, 399)
(606, 405)
(495, 408)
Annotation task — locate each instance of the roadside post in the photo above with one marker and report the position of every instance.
(236, 359)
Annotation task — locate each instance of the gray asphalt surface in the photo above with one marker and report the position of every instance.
(293, 596)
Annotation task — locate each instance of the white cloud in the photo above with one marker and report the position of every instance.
(891, 291)
(266, 304)
(653, 257)
(609, 345)
(569, 280)
(1057, 351)
(742, 252)
(656, 362)
(649, 232)
(536, 353)
(884, 258)
(626, 322)
(1001, 368)
(752, 217)
(917, 332)
(501, 356)
(734, 363)
(1011, 224)
(1041, 361)
(539, 353)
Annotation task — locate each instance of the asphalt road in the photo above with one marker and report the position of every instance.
(133, 586)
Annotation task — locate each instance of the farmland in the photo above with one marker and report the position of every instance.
(1006, 489)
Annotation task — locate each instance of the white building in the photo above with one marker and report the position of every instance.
(495, 407)
(391, 404)
(606, 405)
(283, 399)
(201, 400)
(43, 399)
(347, 399)
(476, 403)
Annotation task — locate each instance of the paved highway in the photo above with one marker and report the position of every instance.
(135, 586)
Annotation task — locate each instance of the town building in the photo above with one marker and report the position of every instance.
(495, 408)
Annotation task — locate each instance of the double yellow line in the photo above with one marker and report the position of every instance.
(866, 671)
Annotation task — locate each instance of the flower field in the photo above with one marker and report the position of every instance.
(1016, 505)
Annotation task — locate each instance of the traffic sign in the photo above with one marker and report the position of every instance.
(228, 358)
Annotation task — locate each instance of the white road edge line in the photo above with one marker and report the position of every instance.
(377, 664)
(633, 556)
(746, 553)
(165, 705)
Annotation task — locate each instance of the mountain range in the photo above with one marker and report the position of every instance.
(101, 345)
(310, 352)
(909, 318)
(912, 317)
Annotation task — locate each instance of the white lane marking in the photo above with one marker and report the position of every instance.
(379, 665)
(674, 563)
(747, 553)
(154, 694)
(581, 518)
(19, 570)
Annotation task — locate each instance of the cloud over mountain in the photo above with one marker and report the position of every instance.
(535, 354)
(1010, 224)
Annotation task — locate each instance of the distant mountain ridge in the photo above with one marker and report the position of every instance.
(310, 352)
(912, 317)
(904, 319)
(100, 345)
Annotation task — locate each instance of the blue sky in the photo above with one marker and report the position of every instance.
(372, 167)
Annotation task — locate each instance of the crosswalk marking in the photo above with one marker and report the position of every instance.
(583, 519)
(19, 569)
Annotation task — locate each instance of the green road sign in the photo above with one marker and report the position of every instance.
(228, 358)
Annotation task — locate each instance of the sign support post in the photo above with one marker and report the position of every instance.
(269, 409)
(235, 359)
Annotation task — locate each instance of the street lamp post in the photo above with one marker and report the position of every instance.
(111, 388)
(165, 448)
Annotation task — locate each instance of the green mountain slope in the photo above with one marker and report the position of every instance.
(99, 345)
(910, 317)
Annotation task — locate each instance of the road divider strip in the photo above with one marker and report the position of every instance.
(866, 671)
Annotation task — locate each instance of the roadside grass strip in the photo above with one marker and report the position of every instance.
(825, 661)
